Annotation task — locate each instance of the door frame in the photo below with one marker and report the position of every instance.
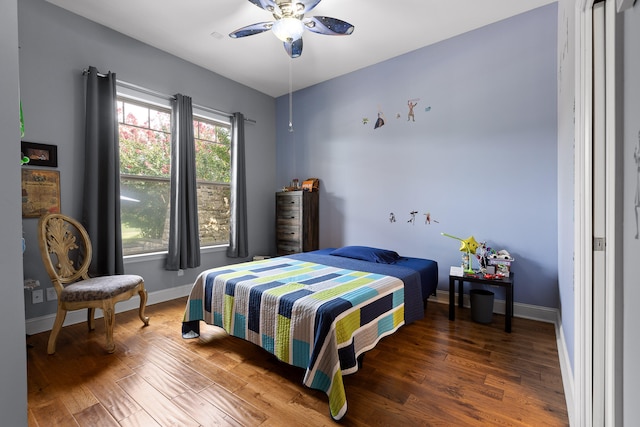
(597, 397)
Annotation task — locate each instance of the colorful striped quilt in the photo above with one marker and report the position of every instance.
(309, 315)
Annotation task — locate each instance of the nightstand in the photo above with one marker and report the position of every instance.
(505, 282)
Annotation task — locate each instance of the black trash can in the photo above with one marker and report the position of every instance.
(481, 305)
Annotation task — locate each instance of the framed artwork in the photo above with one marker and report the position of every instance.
(40, 192)
(40, 154)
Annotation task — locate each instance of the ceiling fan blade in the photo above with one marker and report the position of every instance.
(294, 49)
(309, 4)
(283, 7)
(268, 5)
(250, 30)
(328, 26)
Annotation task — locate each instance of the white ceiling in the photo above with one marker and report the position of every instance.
(383, 30)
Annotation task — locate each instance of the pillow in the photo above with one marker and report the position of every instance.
(365, 253)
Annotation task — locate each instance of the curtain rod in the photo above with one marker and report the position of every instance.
(167, 97)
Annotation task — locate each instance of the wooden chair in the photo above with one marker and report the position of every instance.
(66, 252)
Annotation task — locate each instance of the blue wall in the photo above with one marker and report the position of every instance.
(481, 156)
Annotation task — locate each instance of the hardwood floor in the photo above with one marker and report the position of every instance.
(432, 372)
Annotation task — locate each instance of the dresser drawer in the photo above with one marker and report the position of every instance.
(288, 248)
(288, 233)
(288, 219)
(288, 202)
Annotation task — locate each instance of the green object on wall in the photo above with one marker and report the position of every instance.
(21, 121)
(23, 159)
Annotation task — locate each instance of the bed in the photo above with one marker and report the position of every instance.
(317, 310)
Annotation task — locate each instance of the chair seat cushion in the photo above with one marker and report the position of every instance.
(99, 288)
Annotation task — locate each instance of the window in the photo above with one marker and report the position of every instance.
(145, 168)
(213, 174)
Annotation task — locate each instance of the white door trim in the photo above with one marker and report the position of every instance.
(582, 220)
(596, 339)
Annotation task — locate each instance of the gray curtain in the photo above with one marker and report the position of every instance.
(101, 193)
(238, 242)
(184, 238)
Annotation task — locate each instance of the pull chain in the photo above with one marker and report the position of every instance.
(290, 95)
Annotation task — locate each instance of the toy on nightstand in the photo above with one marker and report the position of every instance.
(483, 256)
(502, 261)
(468, 246)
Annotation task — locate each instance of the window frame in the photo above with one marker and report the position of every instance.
(151, 100)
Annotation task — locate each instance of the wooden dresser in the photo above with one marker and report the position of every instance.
(297, 228)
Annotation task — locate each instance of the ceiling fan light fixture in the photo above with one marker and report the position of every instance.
(290, 23)
(288, 29)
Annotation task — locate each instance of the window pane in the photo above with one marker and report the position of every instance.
(136, 115)
(160, 120)
(144, 152)
(223, 135)
(144, 206)
(207, 131)
(213, 213)
(120, 111)
(144, 177)
(213, 172)
(196, 124)
(213, 162)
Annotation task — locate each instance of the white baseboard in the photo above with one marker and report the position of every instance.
(45, 323)
(565, 369)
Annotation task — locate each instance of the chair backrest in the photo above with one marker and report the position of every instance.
(65, 249)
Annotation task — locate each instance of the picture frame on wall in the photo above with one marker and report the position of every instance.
(40, 192)
(40, 154)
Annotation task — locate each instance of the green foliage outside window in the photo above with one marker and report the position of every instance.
(144, 212)
(145, 169)
(213, 152)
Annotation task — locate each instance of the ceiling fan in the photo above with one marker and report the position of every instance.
(290, 23)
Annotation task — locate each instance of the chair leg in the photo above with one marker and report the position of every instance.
(109, 320)
(143, 302)
(91, 318)
(57, 325)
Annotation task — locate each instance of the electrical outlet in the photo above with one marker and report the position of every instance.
(37, 296)
(51, 294)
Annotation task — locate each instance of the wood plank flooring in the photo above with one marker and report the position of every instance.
(433, 372)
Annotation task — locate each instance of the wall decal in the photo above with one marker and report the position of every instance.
(411, 114)
(411, 104)
(428, 219)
